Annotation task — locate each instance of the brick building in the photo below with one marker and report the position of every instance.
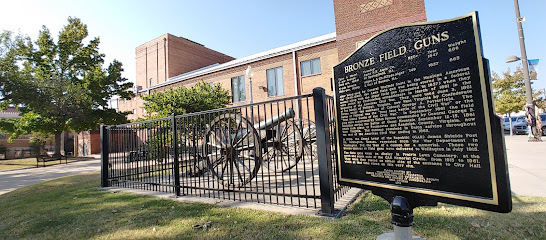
(86, 143)
(170, 61)
(22, 148)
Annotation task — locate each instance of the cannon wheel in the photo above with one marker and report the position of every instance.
(309, 132)
(284, 150)
(232, 150)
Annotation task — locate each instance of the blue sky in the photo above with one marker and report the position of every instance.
(242, 27)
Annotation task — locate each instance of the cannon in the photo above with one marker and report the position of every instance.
(235, 149)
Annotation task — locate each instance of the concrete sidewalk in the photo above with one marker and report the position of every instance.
(14, 179)
(526, 165)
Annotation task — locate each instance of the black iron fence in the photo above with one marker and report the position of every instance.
(276, 152)
(17, 154)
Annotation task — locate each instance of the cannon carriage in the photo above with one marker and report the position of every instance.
(233, 148)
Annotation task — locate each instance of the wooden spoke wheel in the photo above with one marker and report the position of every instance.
(194, 165)
(309, 133)
(285, 149)
(232, 150)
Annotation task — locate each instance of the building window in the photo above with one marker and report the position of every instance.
(310, 67)
(275, 82)
(134, 110)
(238, 89)
(151, 82)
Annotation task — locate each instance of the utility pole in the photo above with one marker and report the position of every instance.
(530, 104)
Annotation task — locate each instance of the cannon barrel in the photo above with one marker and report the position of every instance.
(268, 123)
(275, 120)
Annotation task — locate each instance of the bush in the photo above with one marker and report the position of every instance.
(38, 143)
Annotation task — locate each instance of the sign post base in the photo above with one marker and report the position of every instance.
(400, 233)
(402, 220)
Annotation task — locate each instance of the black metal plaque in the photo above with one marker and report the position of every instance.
(415, 118)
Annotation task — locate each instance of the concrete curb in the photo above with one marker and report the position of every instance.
(341, 204)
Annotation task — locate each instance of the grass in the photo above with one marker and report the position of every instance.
(26, 163)
(74, 208)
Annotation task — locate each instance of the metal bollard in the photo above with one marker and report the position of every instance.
(401, 219)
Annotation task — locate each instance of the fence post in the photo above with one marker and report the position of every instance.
(176, 169)
(104, 156)
(324, 152)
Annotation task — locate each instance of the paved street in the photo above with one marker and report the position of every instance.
(527, 169)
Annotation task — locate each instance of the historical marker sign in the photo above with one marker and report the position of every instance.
(415, 117)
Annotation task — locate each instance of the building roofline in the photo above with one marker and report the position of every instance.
(10, 112)
(249, 59)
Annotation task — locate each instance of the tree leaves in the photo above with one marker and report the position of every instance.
(181, 100)
(63, 83)
(509, 92)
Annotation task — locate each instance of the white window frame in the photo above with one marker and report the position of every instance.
(240, 82)
(275, 82)
(310, 65)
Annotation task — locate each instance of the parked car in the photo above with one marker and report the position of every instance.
(522, 128)
(506, 123)
(543, 119)
(515, 120)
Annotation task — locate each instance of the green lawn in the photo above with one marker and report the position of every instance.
(74, 208)
(27, 162)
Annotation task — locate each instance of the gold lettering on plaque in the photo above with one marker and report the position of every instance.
(431, 40)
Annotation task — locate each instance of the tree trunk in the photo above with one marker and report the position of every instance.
(57, 144)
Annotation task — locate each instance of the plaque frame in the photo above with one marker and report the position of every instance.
(418, 196)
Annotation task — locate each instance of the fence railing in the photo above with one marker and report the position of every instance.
(18, 154)
(275, 152)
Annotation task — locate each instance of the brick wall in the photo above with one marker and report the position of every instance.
(95, 141)
(91, 139)
(136, 104)
(83, 137)
(328, 58)
(168, 56)
(185, 56)
(355, 21)
(17, 144)
(359, 20)
(326, 52)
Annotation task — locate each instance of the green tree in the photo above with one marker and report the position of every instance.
(60, 86)
(8, 61)
(181, 100)
(200, 97)
(509, 91)
(38, 142)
